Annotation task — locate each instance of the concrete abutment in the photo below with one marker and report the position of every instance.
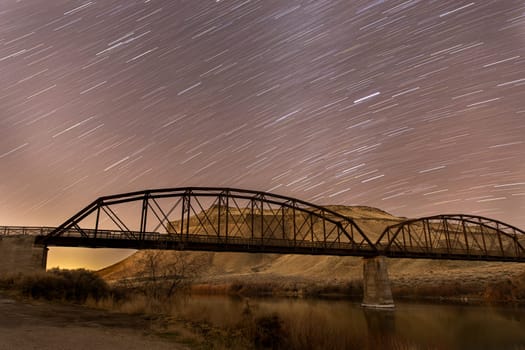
(20, 254)
(376, 284)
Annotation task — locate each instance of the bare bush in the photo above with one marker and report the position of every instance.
(162, 275)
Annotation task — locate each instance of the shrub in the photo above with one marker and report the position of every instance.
(270, 332)
(508, 290)
(71, 285)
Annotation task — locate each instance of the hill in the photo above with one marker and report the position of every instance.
(309, 274)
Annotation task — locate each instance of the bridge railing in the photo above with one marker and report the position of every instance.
(100, 237)
(25, 230)
(451, 254)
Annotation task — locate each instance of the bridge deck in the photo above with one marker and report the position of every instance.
(194, 242)
(274, 246)
(207, 243)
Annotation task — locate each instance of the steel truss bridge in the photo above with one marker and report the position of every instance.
(234, 220)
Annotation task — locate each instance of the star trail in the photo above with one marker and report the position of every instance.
(415, 107)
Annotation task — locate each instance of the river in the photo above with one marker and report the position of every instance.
(345, 324)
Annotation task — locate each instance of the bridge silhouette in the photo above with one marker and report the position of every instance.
(235, 220)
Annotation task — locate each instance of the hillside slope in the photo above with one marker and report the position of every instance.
(228, 268)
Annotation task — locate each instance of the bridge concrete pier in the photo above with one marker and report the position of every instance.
(376, 284)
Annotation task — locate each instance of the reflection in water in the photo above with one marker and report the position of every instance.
(381, 326)
(380, 321)
(345, 324)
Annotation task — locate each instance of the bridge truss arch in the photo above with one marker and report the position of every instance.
(210, 218)
(456, 237)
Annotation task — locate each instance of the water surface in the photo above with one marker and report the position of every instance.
(345, 324)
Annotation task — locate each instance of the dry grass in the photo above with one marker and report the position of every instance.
(305, 333)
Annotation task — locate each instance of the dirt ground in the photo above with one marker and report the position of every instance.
(50, 326)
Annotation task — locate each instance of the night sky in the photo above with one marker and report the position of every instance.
(416, 107)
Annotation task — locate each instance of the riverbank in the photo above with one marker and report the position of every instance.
(459, 288)
(34, 324)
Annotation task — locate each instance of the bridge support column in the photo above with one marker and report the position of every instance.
(45, 250)
(376, 285)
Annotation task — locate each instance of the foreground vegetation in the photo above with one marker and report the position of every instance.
(253, 329)
(197, 327)
(58, 285)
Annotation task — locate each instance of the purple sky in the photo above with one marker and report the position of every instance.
(416, 107)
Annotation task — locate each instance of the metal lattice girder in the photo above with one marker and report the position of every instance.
(220, 218)
(466, 237)
(226, 219)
